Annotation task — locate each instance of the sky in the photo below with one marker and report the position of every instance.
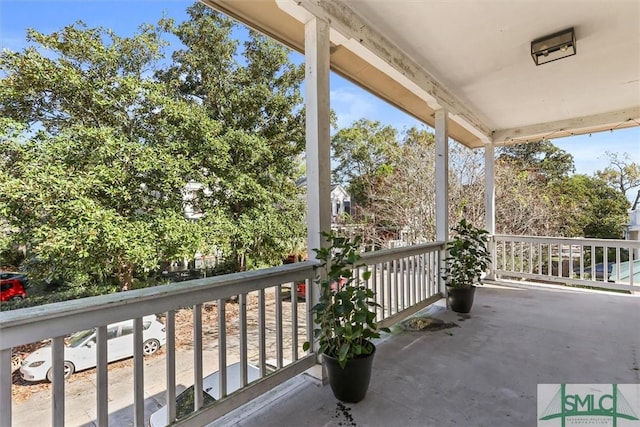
(349, 102)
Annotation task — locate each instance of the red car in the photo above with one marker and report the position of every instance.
(301, 288)
(12, 286)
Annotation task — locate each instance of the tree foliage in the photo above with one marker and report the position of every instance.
(543, 160)
(365, 154)
(255, 97)
(621, 173)
(99, 139)
(412, 174)
(535, 191)
(90, 175)
(594, 208)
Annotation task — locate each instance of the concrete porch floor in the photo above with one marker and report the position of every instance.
(484, 372)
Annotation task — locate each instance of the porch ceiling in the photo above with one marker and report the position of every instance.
(473, 58)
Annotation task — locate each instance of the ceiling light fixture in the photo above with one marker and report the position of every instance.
(553, 47)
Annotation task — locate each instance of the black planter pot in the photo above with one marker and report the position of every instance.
(460, 300)
(351, 383)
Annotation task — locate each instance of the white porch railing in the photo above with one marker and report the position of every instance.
(597, 263)
(264, 326)
(405, 280)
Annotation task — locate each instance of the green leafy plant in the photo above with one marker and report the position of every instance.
(344, 316)
(468, 256)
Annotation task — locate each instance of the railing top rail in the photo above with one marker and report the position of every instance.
(390, 254)
(569, 240)
(36, 323)
(58, 319)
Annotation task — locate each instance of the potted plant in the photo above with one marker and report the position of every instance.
(344, 318)
(468, 257)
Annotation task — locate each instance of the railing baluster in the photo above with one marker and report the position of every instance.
(428, 274)
(279, 351)
(416, 279)
(540, 259)
(389, 289)
(138, 373)
(396, 285)
(421, 277)
(57, 365)
(310, 324)
(570, 269)
(262, 329)
(5, 387)
(433, 273)
(593, 262)
(294, 323)
(433, 276)
(409, 274)
(402, 283)
(102, 379)
(222, 347)
(581, 262)
(379, 295)
(170, 334)
(605, 260)
(606, 267)
(631, 268)
(198, 373)
(242, 330)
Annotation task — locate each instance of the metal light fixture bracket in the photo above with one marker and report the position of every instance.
(553, 47)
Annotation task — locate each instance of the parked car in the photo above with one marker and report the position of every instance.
(599, 271)
(301, 288)
(80, 351)
(12, 286)
(211, 393)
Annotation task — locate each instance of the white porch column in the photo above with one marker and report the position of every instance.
(318, 148)
(442, 184)
(318, 132)
(490, 201)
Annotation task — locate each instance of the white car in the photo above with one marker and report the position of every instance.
(211, 392)
(80, 349)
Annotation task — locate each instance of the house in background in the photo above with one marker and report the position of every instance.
(190, 198)
(340, 203)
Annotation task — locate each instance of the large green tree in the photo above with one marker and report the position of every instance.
(253, 91)
(102, 142)
(592, 208)
(93, 165)
(543, 160)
